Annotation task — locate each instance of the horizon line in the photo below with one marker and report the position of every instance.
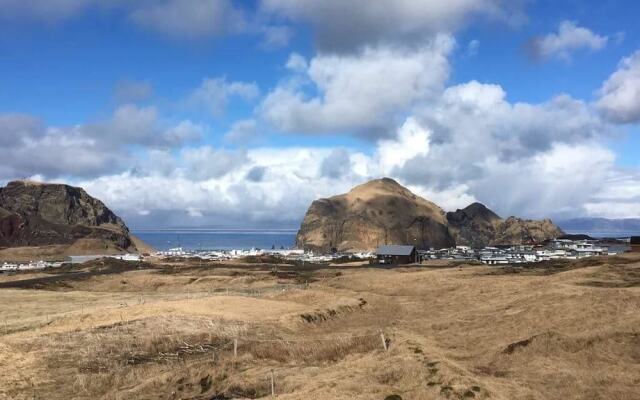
(214, 229)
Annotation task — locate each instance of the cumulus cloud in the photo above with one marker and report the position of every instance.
(214, 94)
(337, 164)
(59, 152)
(16, 127)
(473, 138)
(619, 197)
(29, 147)
(206, 162)
(289, 182)
(470, 145)
(351, 25)
(242, 132)
(191, 18)
(569, 38)
(357, 92)
(620, 94)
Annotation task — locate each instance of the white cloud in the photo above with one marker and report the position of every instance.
(191, 19)
(214, 94)
(337, 164)
(15, 127)
(412, 140)
(569, 38)
(496, 150)
(205, 162)
(349, 25)
(463, 148)
(362, 92)
(186, 131)
(619, 197)
(297, 63)
(620, 94)
(242, 132)
(30, 147)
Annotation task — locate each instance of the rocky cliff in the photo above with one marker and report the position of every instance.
(384, 212)
(477, 226)
(372, 214)
(37, 214)
(474, 226)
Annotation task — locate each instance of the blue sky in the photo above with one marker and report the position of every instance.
(218, 113)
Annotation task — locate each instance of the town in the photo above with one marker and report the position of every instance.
(384, 255)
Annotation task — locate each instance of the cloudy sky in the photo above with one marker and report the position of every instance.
(217, 113)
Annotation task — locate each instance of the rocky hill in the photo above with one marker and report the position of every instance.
(384, 212)
(372, 214)
(474, 226)
(37, 215)
(477, 226)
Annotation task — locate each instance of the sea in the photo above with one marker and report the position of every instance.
(618, 234)
(217, 239)
(246, 239)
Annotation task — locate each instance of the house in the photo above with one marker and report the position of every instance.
(495, 260)
(395, 254)
(635, 243)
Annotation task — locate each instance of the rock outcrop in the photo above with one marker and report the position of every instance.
(478, 227)
(384, 212)
(37, 214)
(474, 226)
(373, 214)
(524, 231)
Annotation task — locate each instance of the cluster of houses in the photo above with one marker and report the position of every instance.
(286, 254)
(386, 255)
(30, 266)
(556, 249)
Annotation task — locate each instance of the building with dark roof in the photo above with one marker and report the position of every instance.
(396, 254)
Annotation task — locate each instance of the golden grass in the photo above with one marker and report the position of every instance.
(467, 332)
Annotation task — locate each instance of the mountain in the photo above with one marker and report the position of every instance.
(477, 226)
(61, 218)
(525, 231)
(375, 213)
(474, 226)
(384, 212)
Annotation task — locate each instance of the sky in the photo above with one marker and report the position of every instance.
(213, 113)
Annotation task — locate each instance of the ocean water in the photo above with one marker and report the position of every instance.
(603, 234)
(217, 239)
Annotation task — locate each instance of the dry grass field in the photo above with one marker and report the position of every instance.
(116, 330)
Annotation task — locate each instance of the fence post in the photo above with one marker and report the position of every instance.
(235, 348)
(273, 386)
(384, 341)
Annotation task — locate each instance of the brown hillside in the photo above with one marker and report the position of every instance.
(375, 213)
(55, 216)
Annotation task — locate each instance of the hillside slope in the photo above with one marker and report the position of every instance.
(477, 226)
(377, 212)
(384, 212)
(37, 215)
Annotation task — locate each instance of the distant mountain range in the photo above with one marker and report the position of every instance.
(622, 227)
